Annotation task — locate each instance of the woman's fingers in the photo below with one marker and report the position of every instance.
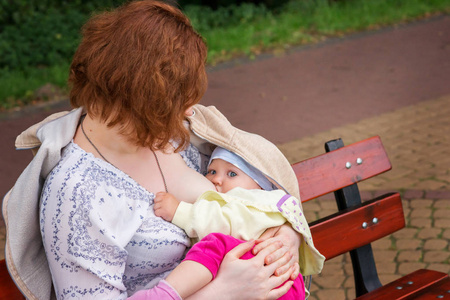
(240, 249)
(281, 284)
(277, 255)
(279, 260)
(271, 246)
(291, 240)
(283, 263)
(296, 271)
(262, 244)
(293, 262)
(280, 291)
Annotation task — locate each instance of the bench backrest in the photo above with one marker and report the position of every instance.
(340, 168)
(356, 224)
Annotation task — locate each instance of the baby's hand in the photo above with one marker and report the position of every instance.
(165, 205)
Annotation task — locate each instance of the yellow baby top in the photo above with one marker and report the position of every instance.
(246, 214)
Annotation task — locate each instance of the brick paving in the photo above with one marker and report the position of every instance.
(417, 139)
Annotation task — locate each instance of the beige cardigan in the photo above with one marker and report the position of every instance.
(24, 250)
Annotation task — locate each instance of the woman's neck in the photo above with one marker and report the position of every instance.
(109, 144)
(108, 140)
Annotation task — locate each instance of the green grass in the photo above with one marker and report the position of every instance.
(18, 86)
(251, 30)
(309, 21)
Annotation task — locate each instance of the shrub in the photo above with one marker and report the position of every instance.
(43, 40)
(42, 33)
(204, 18)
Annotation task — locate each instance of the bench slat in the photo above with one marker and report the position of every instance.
(343, 231)
(327, 173)
(410, 286)
(440, 290)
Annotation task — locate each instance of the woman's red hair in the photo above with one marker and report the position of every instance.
(140, 67)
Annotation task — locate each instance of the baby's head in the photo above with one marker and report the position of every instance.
(227, 170)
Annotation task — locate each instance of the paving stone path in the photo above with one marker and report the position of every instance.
(417, 139)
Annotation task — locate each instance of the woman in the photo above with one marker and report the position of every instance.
(138, 70)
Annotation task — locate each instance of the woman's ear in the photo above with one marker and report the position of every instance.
(189, 112)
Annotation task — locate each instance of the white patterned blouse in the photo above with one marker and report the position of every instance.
(100, 234)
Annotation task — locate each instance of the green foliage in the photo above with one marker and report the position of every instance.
(205, 19)
(215, 4)
(42, 33)
(45, 39)
(18, 86)
(307, 21)
(17, 11)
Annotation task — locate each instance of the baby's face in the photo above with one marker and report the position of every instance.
(226, 176)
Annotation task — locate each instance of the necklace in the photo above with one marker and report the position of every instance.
(104, 158)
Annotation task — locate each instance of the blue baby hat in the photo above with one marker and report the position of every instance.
(245, 167)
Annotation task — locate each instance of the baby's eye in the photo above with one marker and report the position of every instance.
(212, 172)
(231, 174)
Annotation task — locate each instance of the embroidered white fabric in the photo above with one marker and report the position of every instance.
(101, 237)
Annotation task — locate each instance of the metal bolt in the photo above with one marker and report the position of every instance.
(399, 288)
(410, 282)
(359, 160)
(440, 296)
(375, 220)
(364, 225)
(348, 165)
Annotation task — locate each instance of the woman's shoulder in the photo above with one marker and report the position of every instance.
(75, 165)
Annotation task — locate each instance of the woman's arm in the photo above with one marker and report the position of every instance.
(249, 279)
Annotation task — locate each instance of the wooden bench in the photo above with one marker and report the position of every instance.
(356, 224)
(352, 228)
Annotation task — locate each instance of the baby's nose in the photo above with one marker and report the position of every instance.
(216, 180)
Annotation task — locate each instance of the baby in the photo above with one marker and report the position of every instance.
(243, 206)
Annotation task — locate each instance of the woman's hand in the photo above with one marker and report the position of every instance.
(249, 279)
(291, 242)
